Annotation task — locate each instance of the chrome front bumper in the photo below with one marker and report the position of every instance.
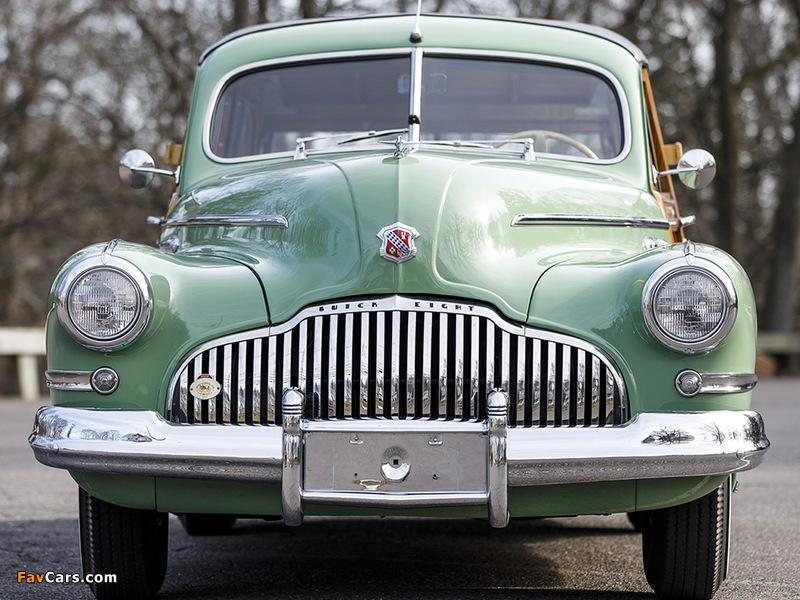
(398, 464)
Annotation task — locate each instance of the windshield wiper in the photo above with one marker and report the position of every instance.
(403, 147)
(300, 151)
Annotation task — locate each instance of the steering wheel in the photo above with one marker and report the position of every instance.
(540, 137)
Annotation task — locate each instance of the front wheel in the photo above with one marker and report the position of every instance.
(685, 547)
(126, 543)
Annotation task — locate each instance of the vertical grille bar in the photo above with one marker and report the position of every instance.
(503, 362)
(544, 383)
(405, 367)
(415, 355)
(535, 374)
(427, 358)
(195, 408)
(377, 374)
(278, 370)
(317, 355)
(518, 400)
(457, 367)
(256, 372)
(566, 385)
(300, 366)
(210, 407)
(242, 397)
(473, 366)
(551, 380)
(402, 359)
(489, 362)
(361, 357)
(385, 377)
(330, 335)
(442, 344)
(271, 370)
(346, 368)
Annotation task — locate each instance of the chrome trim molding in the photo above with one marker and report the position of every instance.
(68, 381)
(370, 499)
(651, 445)
(690, 383)
(402, 358)
(223, 221)
(610, 221)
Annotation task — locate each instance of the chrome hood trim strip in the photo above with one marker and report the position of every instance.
(225, 221)
(608, 221)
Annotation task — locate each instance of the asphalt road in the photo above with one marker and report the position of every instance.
(586, 558)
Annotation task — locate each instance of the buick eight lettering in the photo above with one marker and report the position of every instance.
(413, 266)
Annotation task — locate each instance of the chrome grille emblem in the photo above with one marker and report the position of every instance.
(397, 242)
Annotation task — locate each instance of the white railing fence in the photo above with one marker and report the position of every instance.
(27, 344)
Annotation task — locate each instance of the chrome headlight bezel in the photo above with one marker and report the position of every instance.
(79, 273)
(702, 268)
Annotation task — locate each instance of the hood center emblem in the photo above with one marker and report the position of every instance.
(397, 242)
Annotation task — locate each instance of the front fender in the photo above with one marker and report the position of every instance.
(194, 299)
(603, 304)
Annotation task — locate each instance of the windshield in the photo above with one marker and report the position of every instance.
(566, 110)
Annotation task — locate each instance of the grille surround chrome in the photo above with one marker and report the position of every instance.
(390, 372)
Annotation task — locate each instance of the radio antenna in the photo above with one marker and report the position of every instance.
(416, 33)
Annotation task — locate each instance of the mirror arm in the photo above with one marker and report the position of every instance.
(155, 171)
(678, 170)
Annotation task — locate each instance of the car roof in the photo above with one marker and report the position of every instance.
(591, 30)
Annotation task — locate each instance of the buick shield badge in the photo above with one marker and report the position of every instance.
(397, 242)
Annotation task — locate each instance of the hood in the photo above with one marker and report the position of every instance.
(461, 207)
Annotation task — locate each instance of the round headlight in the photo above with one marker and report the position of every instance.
(104, 306)
(690, 307)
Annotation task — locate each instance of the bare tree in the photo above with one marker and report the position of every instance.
(83, 80)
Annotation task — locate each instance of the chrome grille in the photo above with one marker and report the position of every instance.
(401, 358)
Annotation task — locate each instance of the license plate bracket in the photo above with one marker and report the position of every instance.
(408, 462)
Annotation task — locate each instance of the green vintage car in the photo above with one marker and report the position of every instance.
(412, 266)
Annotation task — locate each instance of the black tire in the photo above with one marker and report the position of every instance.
(207, 524)
(636, 519)
(685, 547)
(126, 542)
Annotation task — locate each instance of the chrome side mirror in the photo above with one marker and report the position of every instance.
(137, 167)
(696, 169)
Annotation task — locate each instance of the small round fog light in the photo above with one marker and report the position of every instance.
(105, 380)
(689, 383)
